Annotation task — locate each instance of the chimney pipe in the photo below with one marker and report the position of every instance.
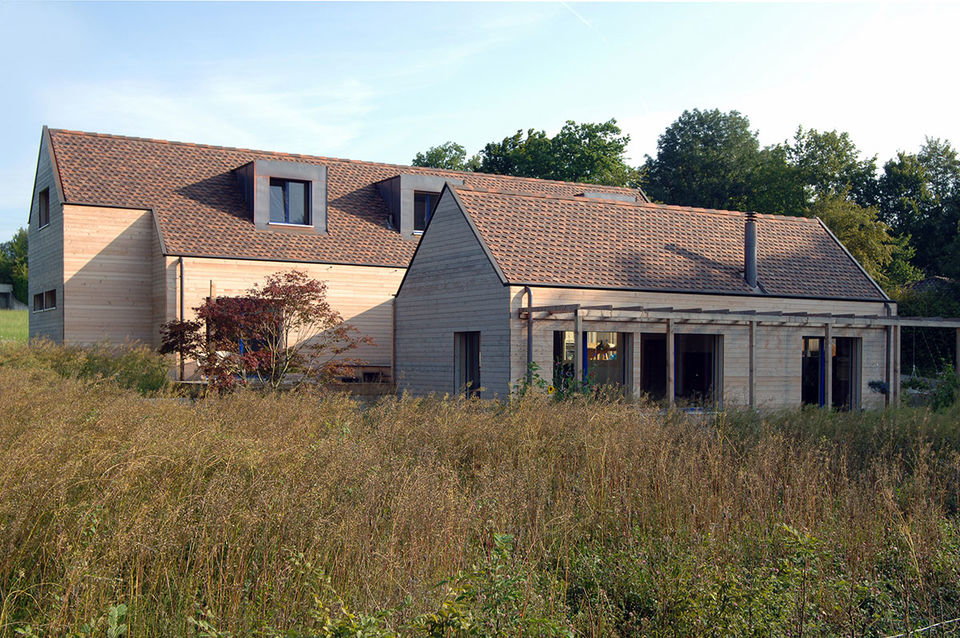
(750, 250)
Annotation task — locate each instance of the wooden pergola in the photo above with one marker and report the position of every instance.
(669, 317)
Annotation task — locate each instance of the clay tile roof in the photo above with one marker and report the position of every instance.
(573, 241)
(199, 206)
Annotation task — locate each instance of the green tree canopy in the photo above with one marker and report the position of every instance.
(866, 237)
(591, 153)
(13, 264)
(919, 196)
(705, 158)
(829, 163)
(449, 155)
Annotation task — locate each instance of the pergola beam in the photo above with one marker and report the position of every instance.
(727, 315)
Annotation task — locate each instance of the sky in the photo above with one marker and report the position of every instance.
(382, 81)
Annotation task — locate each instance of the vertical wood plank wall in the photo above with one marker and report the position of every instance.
(778, 348)
(45, 253)
(451, 287)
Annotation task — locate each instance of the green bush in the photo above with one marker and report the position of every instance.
(947, 389)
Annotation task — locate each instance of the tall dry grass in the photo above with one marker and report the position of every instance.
(639, 523)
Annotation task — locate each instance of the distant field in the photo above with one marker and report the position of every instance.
(14, 325)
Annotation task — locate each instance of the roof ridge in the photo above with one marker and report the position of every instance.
(240, 149)
(638, 204)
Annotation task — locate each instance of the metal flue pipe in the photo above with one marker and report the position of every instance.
(750, 250)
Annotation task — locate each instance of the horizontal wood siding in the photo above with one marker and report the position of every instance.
(109, 264)
(451, 287)
(778, 353)
(45, 252)
(363, 295)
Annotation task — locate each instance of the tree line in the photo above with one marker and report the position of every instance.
(900, 220)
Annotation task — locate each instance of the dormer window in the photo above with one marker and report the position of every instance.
(423, 205)
(289, 202)
(285, 197)
(412, 200)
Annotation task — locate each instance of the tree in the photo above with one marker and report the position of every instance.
(829, 163)
(280, 332)
(919, 195)
(705, 158)
(590, 153)
(449, 155)
(520, 155)
(776, 187)
(13, 264)
(866, 237)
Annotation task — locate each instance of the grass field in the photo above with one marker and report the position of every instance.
(14, 325)
(302, 515)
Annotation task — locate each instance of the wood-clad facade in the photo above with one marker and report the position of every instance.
(451, 287)
(118, 287)
(108, 265)
(454, 286)
(600, 284)
(363, 295)
(46, 247)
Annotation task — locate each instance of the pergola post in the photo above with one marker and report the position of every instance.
(895, 389)
(888, 337)
(827, 356)
(577, 346)
(956, 359)
(753, 364)
(671, 391)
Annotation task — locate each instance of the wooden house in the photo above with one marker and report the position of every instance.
(588, 283)
(127, 233)
(691, 306)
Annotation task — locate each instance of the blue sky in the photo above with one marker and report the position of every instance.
(382, 81)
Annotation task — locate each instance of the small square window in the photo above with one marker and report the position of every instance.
(289, 202)
(423, 205)
(43, 214)
(45, 300)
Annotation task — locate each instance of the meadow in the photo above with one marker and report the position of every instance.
(14, 325)
(140, 513)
